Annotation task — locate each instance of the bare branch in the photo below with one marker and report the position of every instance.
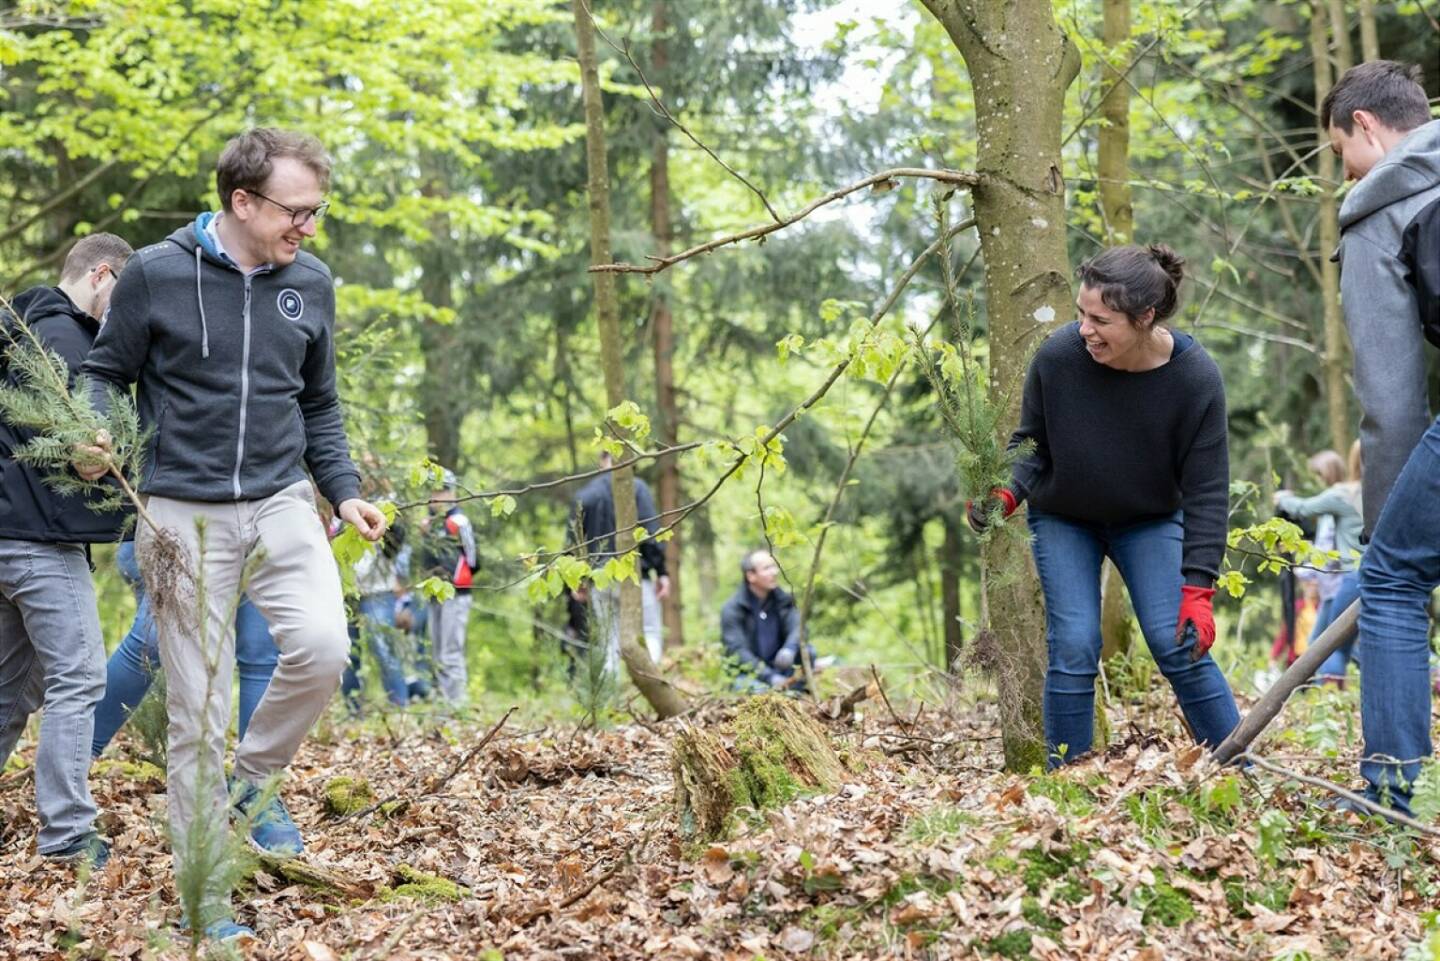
(680, 513)
(960, 178)
(56, 199)
(1390, 814)
(562, 481)
(665, 111)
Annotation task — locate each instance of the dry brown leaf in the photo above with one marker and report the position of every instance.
(318, 951)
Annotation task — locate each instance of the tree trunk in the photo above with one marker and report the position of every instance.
(1114, 166)
(1336, 362)
(1020, 65)
(952, 561)
(1118, 213)
(1340, 29)
(1116, 627)
(663, 328)
(706, 567)
(438, 341)
(657, 691)
(1369, 39)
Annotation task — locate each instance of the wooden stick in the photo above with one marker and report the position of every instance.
(530, 917)
(1340, 632)
(434, 788)
(1360, 800)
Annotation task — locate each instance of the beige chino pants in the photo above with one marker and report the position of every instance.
(294, 583)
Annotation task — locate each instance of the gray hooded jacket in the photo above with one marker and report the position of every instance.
(1381, 309)
(235, 373)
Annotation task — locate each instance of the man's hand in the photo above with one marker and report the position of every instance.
(784, 659)
(662, 587)
(85, 463)
(365, 517)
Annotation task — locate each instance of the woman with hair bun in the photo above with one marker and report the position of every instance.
(1130, 461)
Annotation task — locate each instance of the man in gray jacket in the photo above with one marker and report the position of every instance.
(227, 328)
(1379, 123)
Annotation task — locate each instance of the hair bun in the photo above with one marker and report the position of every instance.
(1169, 260)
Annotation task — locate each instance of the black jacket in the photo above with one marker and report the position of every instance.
(235, 373)
(738, 620)
(30, 510)
(594, 516)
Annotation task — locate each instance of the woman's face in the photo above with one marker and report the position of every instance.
(1109, 335)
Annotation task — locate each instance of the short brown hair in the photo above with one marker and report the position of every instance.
(93, 250)
(1389, 90)
(247, 160)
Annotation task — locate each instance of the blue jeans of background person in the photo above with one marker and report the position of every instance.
(1068, 555)
(1400, 569)
(132, 667)
(1335, 665)
(375, 621)
(52, 658)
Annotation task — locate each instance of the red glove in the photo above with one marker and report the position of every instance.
(978, 515)
(1196, 613)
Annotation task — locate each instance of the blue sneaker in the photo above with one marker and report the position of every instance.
(223, 931)
(89, 849)
(272, 831)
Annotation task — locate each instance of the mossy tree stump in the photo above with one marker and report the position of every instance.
(778, 752)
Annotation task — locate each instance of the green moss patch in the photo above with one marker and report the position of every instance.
(413, 883)
(347, 795)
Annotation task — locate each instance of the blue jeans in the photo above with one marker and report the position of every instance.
(52, 659)
(1335, 665)
(1400, 569)
(132, 667)
(375, 621)
(1068, 555)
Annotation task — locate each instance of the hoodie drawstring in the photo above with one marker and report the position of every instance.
(200, 298)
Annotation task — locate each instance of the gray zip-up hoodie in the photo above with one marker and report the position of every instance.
(1381, 310)
(235, 372)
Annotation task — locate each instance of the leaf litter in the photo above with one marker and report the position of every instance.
(560, 844)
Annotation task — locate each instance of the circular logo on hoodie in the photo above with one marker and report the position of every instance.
(290, 303)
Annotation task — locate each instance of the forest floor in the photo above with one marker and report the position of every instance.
(564, 844)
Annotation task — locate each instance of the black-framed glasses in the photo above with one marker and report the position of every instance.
(298, 215)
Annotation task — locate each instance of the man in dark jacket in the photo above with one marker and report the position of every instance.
(227, 329)
(760, 626)
(593, 520)
(51, 649)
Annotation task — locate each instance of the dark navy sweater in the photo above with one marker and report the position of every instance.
(1117, 447)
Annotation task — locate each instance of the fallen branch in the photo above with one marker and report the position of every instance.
(1390, 814)
(530, 917)
(436, 786)
(301, 871)
(886, 698)
(1340, 632)
(839, 707)
(960, 178)
(392, 942)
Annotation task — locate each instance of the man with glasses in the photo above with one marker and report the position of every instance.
(227, 329)
(51, 651)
